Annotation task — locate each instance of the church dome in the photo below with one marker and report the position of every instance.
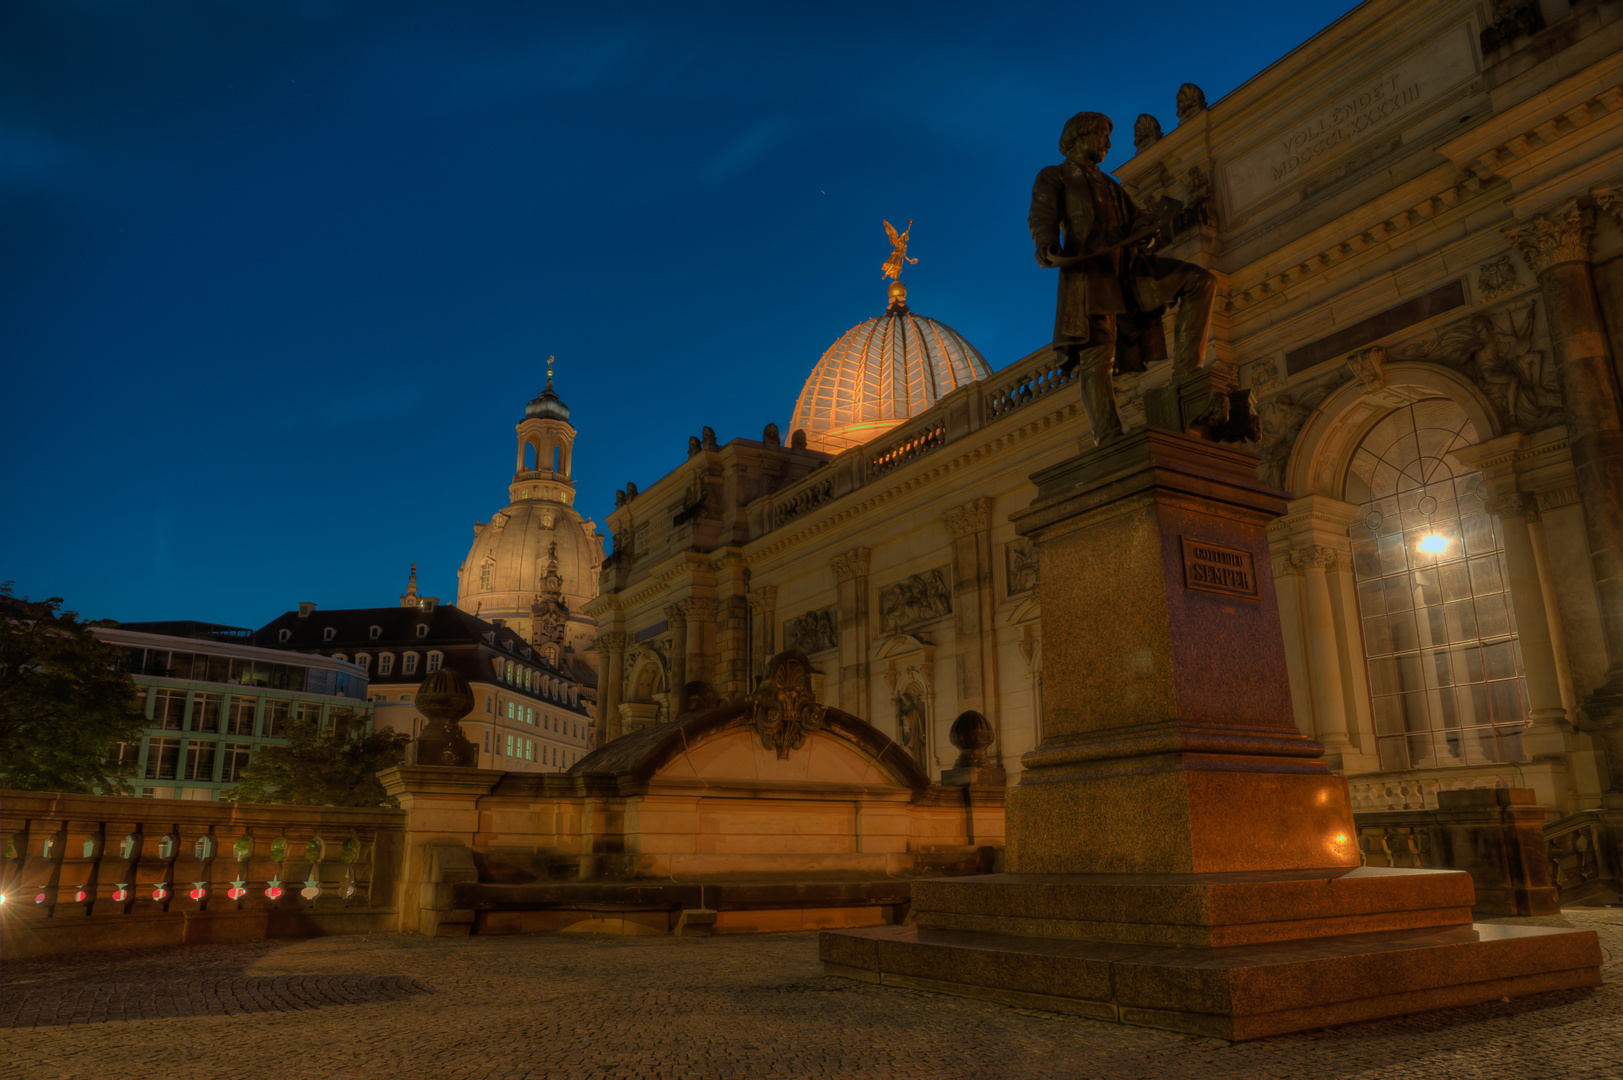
(882, 373)
(508, 561)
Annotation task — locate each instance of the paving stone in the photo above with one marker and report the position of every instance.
(729, 1008)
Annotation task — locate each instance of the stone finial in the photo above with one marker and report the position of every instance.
(445, 698)
(971, 733)
(620, 497)
(770, 436)
(631, 491)
(1191, 101)
(709, 440)
(694, 446)
(798, 439)
(1146, 131)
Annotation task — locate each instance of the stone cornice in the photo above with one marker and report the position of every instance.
(1311, 259)
(900, 486)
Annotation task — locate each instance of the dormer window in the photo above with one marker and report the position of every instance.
(364, 660)
(509, 644)
(339, 656)
(374, 633)
(283, 635)
(408, 664)
(434, 659)
(328, 633)
(386, 663)
(422, 630)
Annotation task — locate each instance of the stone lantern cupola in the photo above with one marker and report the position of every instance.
(546, 446)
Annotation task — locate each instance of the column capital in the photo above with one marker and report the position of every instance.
(612, 643)
(853, 564)
(764, 598)
(676, 615)
(1609, 196)
(972, 517)
(1318, 557)
(1547, 240)
(700, 608)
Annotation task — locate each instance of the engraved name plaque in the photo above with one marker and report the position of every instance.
(1222, 570)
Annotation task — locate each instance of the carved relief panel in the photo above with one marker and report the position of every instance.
(1020, 566)
(812, 632)
(914, 600)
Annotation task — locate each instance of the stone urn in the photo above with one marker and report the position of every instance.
(445, 698)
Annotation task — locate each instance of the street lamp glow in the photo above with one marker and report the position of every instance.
(1433, 544)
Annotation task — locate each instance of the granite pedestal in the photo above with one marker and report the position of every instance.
(1179, 855)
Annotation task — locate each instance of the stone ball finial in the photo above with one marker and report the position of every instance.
(798, 440)
(972, 734)
(445, 698)
(1146, 131)
(1191, 101)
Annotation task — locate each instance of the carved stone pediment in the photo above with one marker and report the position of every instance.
(786, 708)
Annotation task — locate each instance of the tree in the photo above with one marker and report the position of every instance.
(65, 701)
(332, 766)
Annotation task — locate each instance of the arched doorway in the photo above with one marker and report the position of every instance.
(1445, 673)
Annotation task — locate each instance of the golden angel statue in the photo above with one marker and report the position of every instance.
(898, 241)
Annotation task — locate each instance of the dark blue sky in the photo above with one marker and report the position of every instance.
(278, 276)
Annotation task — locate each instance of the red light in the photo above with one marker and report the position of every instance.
(198, 893)
(273, 893)
(79, 897)
(159, 893)
(236, 894)
(39, 898)
(121, 894)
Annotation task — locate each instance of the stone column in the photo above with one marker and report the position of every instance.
(1544, 738)
(612, 648)
(970, 527)
(701, 640)
(851, 572)
(763, 631)
(1557, 248)
(1329, 698)
(1552, 612)
(676, 618)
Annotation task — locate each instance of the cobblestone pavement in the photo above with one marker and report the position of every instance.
(734, 1007)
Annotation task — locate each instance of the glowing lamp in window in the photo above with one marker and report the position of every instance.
(1433, 544)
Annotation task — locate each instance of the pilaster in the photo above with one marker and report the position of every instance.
(851, 575)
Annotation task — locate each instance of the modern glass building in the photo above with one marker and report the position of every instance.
(212, 701)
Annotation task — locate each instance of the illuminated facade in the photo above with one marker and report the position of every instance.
(1416, 223)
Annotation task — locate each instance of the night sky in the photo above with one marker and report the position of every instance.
(278, 276)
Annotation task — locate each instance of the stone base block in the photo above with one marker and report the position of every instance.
(1210, 910)
(1237, 993)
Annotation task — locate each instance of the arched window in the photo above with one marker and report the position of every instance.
(408, 664)
(386, 663)
(434, 659)
(364, 660)
(485, 573)
(509, 676)
(1445, 671)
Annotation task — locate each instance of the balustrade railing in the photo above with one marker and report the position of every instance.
(1026, 384)
(814, 493)
(909, 446)
(1418, 790)
(76, 857)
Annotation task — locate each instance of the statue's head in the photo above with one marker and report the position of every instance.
(1086, 138)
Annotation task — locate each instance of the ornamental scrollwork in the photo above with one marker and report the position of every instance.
(786, 709)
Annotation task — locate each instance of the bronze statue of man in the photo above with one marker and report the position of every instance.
(1112, 292)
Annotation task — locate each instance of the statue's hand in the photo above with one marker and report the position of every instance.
(1046, 256)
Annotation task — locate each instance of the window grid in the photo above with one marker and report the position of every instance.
(1445, 672)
